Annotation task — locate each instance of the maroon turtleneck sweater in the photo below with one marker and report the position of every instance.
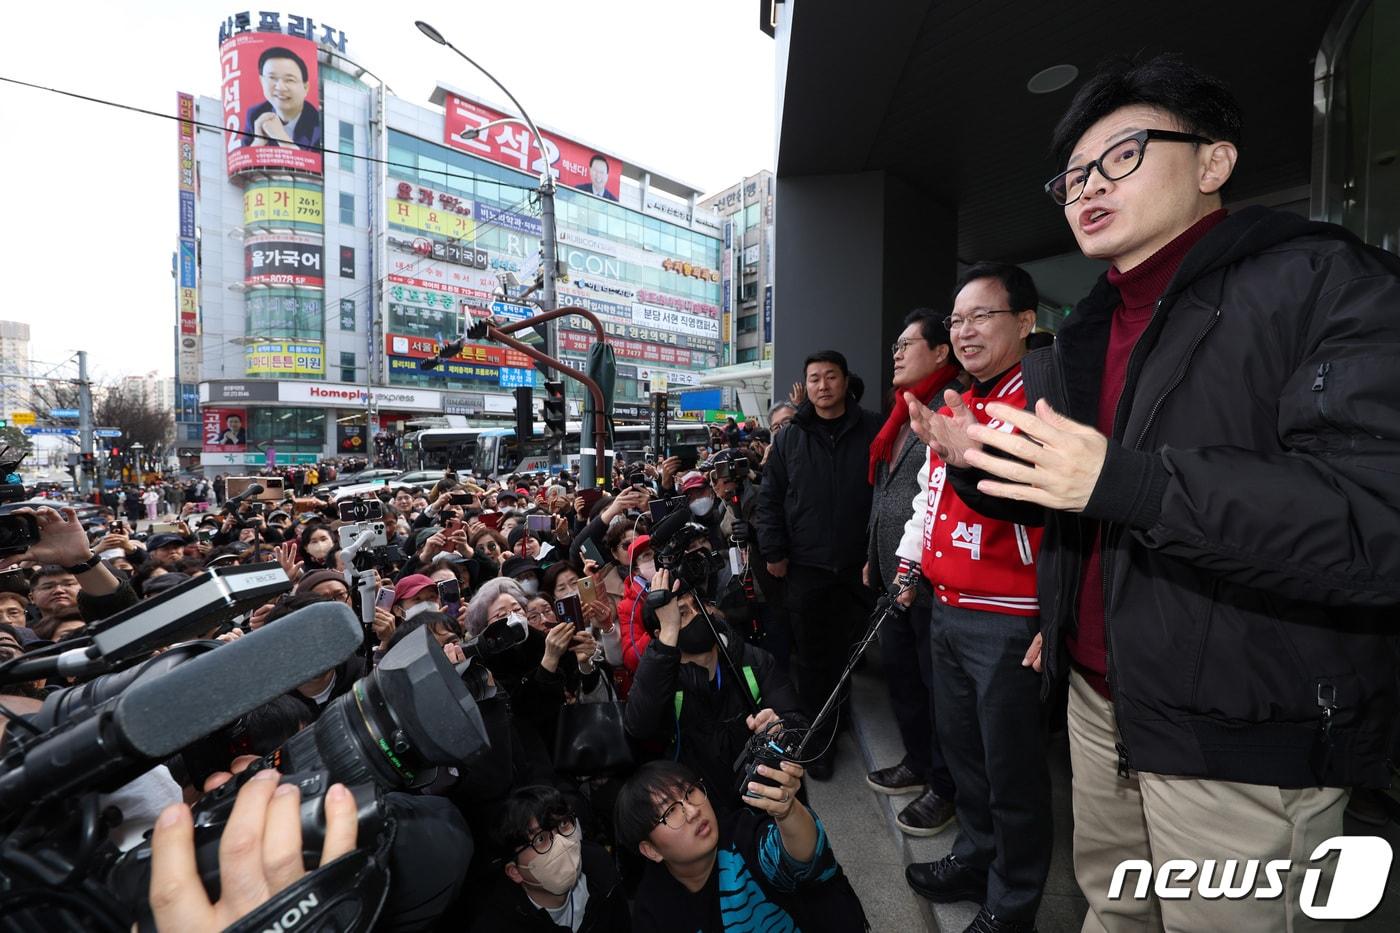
(1138, 291)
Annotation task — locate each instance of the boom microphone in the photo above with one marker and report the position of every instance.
(667, 528)
(155, 717)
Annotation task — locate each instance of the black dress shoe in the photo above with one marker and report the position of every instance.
(821, 769)
(928, 815)
(895, 780)
(988, 922)
(946, 880)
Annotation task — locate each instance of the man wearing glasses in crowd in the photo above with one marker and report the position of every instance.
(553, 877)
(1212, 444)
(740, 872)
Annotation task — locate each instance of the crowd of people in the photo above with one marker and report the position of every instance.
(1170, 531)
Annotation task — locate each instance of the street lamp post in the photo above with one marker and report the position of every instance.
(549, 247)
(135, 451)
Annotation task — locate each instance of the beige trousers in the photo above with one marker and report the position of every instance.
(1157, 818)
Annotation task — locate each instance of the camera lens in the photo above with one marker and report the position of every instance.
(396, 725)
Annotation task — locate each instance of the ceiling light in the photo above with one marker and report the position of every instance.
(1052, 79)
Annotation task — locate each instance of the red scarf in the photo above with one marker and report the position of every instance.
(882, 448)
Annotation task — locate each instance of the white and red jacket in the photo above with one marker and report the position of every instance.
(973, 561)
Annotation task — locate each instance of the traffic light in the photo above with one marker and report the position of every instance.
(555, 411)
(524, 412)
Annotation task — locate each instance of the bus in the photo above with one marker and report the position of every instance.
(442, 448)
(499, 454)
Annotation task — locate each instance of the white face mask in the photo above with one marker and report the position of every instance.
(418, 609)
(701, 507)
(531, 587)
(319, 549)
(646, 569)
(557, 870)
(517, 618)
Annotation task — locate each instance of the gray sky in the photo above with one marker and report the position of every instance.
(90, 191)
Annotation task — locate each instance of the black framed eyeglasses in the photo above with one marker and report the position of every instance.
(673, 817)
(1117, 162)
(543, 840)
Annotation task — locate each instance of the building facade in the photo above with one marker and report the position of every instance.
(14, 367)
(340, 243)
(746, 270)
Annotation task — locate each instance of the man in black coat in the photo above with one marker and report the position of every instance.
(1213, 447)
(813, 509)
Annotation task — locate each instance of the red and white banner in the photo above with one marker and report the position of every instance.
(271, 96)
(421, 348)
(571, 164)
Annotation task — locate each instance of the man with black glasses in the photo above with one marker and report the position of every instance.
(1212, 443)
(553, 878)
(740, 872)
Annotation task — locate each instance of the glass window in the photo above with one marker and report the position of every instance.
(347, 366)
(347, 314)
(287, 429)
(748, 355)
(347, 208)
(283, 314)
(347, 146)
(751, 215)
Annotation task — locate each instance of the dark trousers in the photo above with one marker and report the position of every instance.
(904, 653)
(828, 612)
(991, 728)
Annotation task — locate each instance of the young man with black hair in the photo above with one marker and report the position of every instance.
(1214, 459)
(812, 508)
(686, 696)
(554, 879)
(768, 868)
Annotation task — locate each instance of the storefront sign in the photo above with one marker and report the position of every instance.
(284, 358)
(520, 223)
(350, 438)
(421, 348)
(679, 321)
(348, 396)
(272, 205)
(215, 392)
(422, 209)
(283, 259)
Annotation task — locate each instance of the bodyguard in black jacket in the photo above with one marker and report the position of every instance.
(1240, 500)
(813, 508)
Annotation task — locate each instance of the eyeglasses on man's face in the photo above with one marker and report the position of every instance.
(543, 840)
(1117, 162)
(674, 816)
(902, 346)
(975, 318)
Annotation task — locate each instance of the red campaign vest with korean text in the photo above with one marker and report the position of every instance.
(972, 561)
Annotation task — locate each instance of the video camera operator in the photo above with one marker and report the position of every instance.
(687, 696)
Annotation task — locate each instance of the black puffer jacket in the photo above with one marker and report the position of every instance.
(1250, 508)
(814, 504)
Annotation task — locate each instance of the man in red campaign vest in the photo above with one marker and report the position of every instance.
(985, 623)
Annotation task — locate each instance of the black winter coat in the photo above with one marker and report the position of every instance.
(711, 731)
(1249, 506)
(509, 910)
(814, 504)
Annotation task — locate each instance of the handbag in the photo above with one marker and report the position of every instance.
(591, 741)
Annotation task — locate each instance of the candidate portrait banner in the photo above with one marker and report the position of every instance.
(271, 93)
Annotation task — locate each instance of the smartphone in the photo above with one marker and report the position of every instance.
(384, 599)
(274, 488)
(450, 595)
(660, 508)
(491, 520)
(688, 457)
(461, 498)
(168, 528)
(360, 510)
(590, 498)
(590, 549)
(118, 528)
(205, 534)
(539, 523)
(587, 591)
(638, 478)
(15, 580)
(569, 609)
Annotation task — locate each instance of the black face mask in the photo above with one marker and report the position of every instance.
(696, 638)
